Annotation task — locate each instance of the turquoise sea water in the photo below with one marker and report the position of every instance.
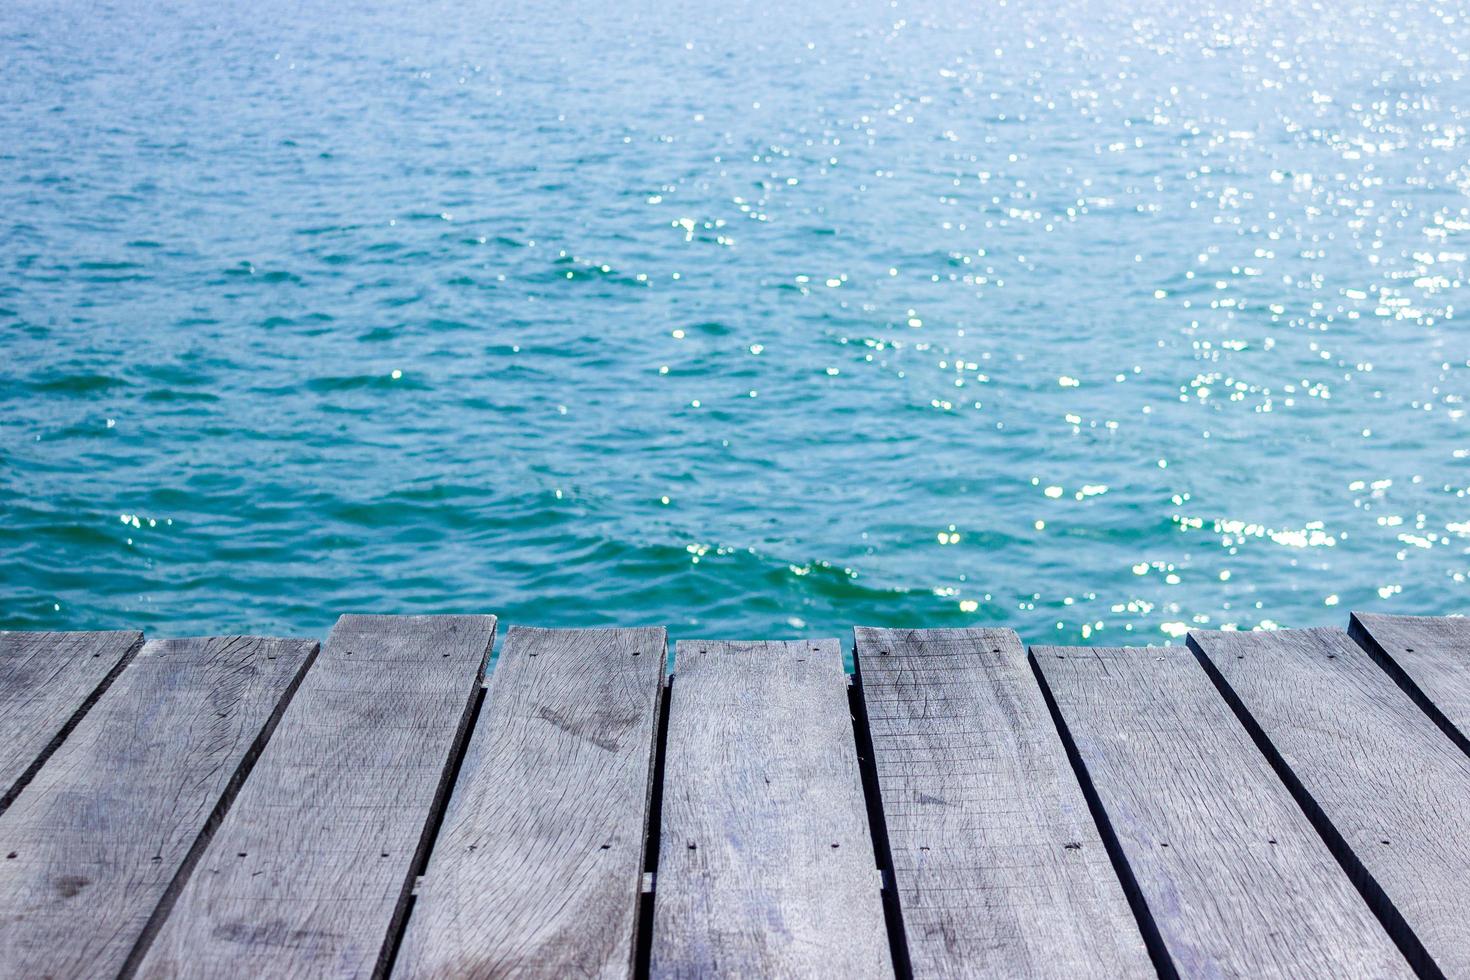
(1097, 320)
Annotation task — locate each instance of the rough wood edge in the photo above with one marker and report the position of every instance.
(47, 751)
(216, 817)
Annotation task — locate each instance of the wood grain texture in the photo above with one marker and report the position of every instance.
(93, 844)
(538, 867)
(999, 867)
(1429, 657)
(1236, 880)
(47, 682)
(309, 874)
(1395, 791)
(766, 865)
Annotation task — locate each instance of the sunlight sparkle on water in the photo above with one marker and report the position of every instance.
(1098, 321)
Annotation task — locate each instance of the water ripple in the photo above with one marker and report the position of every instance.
(1096, 320)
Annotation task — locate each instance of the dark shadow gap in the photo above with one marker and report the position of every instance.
(882, 851)
(643, 936)
(1153, 940)
(1393, 923)
(448, 779)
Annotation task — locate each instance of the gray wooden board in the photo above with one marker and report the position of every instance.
(1429, 656)
(999, 867)
(1235, 878)
(538, 867)
(766, 864)
(309, 873)
(47, 681)
(90, 848)
(1394, 789)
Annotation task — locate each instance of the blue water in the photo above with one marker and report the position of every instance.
(1095, 319)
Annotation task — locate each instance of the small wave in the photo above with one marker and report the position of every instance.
(77, 384)
(169, 395)
(360, 382)
(102, 266)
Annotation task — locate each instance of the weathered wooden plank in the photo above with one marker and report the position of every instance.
(310, 872)
(538, 868)
(48, 681)
(1236, 880)
(999, 867)
(122, 808)
(766, 864)
(1389, 792)
(1429, 657)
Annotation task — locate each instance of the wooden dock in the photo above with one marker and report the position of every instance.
(1286, 804)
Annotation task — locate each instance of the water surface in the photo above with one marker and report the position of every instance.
(1097, 320)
